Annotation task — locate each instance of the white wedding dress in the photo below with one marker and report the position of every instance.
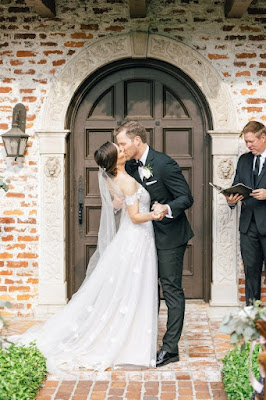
(112, 319)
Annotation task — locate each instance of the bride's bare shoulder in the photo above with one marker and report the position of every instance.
(127, 184)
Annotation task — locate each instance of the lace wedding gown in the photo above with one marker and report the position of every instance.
(112, 319)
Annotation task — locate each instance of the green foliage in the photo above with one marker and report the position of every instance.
(22, 370)
(4, 184)
(236, 372)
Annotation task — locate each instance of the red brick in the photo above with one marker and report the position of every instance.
(6, 272)
(25, 53)
(27, 221)
(24, 297)
(246, 55)
(19, 288)
(217, 56)
(27, 255)
(6, 255)
(4, 127)
(7, 221)
(24, 36)
(50, 44)
(115, 28)
(5, 89)
(81, 35)
(257, 37)
(29, 99)
(59, 62)
(28, 72)
(92, 27)
(74, 44)
(248, 91)
(243, 73)
(256, 101)
(7, 238)
(17, 264)
(252, 109)
(28, 238)
(48, 52)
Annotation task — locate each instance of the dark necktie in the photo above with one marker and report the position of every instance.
(256, 169)
(135, 164)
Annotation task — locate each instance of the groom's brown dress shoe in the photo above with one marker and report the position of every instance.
(163, 358)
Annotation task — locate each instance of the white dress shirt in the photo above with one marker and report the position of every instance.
(262, 161)
(143, 159)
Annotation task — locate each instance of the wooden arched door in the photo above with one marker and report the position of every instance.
(164, 101)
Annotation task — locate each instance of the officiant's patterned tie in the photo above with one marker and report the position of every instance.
(256, 169)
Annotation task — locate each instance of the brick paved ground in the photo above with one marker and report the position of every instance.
(196, 376)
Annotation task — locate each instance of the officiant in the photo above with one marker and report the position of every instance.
(251, 171)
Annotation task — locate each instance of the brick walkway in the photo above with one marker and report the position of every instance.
(196, 376)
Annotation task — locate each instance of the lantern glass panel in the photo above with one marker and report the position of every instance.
(11, 145)
(22, 146)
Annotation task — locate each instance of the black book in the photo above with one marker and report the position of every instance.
(240, 188)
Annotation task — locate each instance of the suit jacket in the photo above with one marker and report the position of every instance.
(250, 206)
(167, 186)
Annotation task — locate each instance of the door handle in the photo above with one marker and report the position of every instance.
(80, 213)
(80, 200)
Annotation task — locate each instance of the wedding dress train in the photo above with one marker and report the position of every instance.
(112, 319)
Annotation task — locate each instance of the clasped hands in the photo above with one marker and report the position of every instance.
(159, 211)
(259, 194)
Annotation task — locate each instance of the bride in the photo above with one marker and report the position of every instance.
(112, 319)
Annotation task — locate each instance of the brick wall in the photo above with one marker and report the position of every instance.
(33, 51)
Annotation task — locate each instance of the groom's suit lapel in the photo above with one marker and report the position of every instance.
(149, 161)
(150, 157)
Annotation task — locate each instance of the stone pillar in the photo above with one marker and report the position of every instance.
(224, 287)
(52, 272)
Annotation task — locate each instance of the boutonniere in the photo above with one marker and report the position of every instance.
(147, 171)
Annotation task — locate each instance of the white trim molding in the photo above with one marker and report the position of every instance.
(224, 287)
(52, 272)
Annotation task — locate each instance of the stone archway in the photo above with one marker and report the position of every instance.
(53, 132)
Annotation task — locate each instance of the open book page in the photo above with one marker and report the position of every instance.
(240, 188)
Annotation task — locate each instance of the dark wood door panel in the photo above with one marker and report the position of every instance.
(172, 117)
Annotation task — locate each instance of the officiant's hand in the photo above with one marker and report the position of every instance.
(233, 199)
(259, 194)
(160, 209)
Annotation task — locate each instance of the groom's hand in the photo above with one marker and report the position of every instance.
(160, 209)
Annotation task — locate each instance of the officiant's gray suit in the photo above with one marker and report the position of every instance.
(252, 226)
(168, 186)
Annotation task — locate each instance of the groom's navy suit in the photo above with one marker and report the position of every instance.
(252, 226)
(168, 186)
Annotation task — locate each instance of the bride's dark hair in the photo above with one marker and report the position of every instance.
(106, 157)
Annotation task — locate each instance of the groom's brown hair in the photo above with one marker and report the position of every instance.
(132, 129)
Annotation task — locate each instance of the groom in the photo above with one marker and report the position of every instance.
(170, 197)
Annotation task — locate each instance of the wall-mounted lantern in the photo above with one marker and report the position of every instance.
(15, 140)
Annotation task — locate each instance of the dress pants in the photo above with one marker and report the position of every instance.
(253, 251)
(170, 267)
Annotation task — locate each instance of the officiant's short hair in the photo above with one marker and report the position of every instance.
(133, 129)
(255, 127)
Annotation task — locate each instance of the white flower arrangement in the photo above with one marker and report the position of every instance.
(241, 325)
(147, 171)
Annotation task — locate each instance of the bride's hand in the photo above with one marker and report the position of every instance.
(157, 217)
